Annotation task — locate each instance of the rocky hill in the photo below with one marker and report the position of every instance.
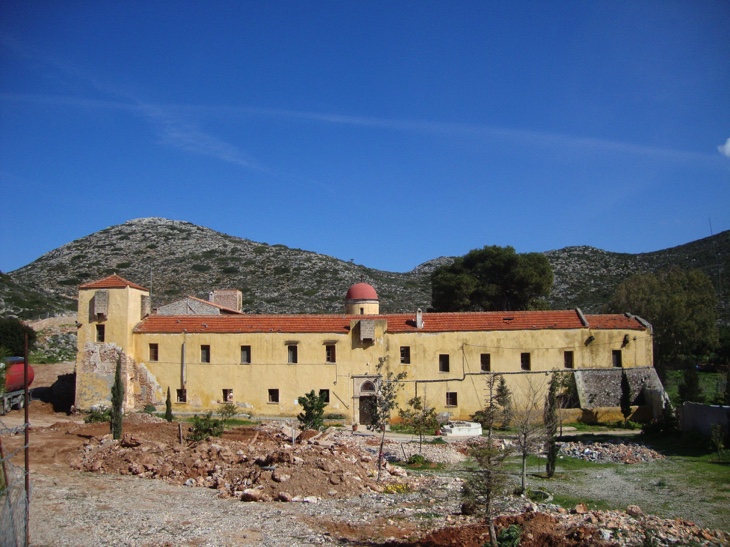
(175, 259)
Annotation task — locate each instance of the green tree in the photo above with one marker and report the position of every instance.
(117, 413)
(504, 400)
(12, 336)
(384, 402)
(227, 411)
(420, 418)
(168, 406)
(625, 401)
(488, 479)
(312, 416)
(485, 483)
(492, 278)
(726, 401)
(689, 389)
(681, 307)
(551, 419)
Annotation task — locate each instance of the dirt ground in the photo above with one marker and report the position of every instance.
(91, 490)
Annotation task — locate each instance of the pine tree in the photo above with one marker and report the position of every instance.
(168, 406)
(115, 422)
(504, 400)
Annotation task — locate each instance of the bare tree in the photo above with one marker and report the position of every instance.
(385, 401)
(528, 422)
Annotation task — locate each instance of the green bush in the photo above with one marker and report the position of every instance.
(416, 459)
(510, 536)
(205, 426)
(149, 408)
(98, 414)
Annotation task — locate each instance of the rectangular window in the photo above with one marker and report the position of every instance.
(228, 395)
(451, 398)
(525, 361)
(568, 359)
(245, 355)
(154, 352)
(444, 362)
(291, 354)
(273, 396)
(405, 355)
(486, 362)
(330, 354)
(182, 396)
(205, 354)
(325, 395)
(616, 357)
(100, 333)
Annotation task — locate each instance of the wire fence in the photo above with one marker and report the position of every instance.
(13, 497)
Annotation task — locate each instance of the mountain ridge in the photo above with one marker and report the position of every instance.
(177, 258)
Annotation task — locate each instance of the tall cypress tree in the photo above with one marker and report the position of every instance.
(168, 406)
(625, 397)
(550, 419)
(115, 422)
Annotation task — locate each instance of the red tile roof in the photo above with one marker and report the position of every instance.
(112, 282)
(614, 321)
(397, 323)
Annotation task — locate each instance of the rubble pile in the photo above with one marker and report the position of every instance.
(633, 527)
(609, 452)
(261, 464)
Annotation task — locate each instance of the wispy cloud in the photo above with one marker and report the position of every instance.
(724, 149)
(520, 137)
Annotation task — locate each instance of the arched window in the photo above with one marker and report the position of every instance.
(367, 387)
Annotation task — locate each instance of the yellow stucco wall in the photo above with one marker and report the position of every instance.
(269, 368)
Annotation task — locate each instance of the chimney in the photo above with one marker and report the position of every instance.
(228, 298)
(419, 319)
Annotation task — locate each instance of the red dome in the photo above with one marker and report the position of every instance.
(361, 291)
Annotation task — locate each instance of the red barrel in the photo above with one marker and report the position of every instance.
(14, 376)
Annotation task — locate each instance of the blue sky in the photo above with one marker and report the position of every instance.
(389, 133)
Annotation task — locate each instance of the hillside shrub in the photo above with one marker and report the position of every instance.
(205, 426)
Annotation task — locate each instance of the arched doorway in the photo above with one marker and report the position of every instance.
(366, 403)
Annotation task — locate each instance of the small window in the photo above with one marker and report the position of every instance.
(486, 362)
(444, 362)
(228, 395)
(362, 311)
(273, 396)
(100, 333)
(324, 394)
(525, 361)
(452, 398)
(568, 359)
(292, 356)
(330, 354)
(205, 354)
(154, 352)
(405, 355)
(245, 355)
(616, 357)
(367, 387)
(182, 395)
